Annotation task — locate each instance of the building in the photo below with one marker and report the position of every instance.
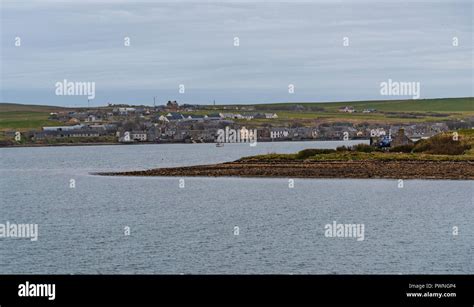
(91, 118)
(231, 115)
(400, 139)
(123, 111)
(250, 116)
(300, 133)
(213, 116)
(73, 121)
(171, 117)
(279, 133)
(172, 105)
(140, 136)
(199, 118)
(65, 134)
(271, 115)
(80, 133)
(347, 109)
(153, 134)
(62, 128)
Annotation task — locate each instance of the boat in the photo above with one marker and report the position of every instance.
(219, 144)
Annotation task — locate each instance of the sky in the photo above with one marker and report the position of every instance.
(192, 43)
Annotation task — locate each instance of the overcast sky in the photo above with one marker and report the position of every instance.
(192, 43)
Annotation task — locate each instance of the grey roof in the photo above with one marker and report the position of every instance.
(175, 116)
(196, 116)
(214, 115)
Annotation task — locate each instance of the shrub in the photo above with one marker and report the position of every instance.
(363, 148)
(403, 148)
(306, 153)
(441, 145)
(342, 148)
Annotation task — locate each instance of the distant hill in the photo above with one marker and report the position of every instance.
(16, 107)
(465, 104)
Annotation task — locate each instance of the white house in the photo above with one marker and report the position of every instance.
(271, 115)
(125, 111)
(163, 119)
(198, 118)
(62, 128)
(347, 109)
(279, 133)
(230, 115)
(91, 118)
(138, 136)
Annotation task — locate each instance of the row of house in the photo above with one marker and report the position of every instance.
(130, 124)
(67, 134)
(175, 116)
(249, 116)
(80, 130)
(201, 130)
(350, 109)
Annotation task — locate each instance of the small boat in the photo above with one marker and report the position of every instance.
(219, 144)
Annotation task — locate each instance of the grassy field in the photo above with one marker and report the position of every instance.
(25, 117)
(388, 111)
(367, 117)
(28, 117)
(465, 104)
(10, 107)
(23, 121)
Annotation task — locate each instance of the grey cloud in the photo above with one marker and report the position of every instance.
(191, 43)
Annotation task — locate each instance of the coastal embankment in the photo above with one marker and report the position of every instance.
(416, 169)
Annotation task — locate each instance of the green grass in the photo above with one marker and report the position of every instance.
(388, 111)
(23, 117)
(359, 117)
(9, 107)
(24, 120)
(361, 156)
(465, 104)
(421, 105)
(466, 136)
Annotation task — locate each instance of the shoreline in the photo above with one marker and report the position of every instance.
(362, 169)
(59, 145)
(163, 143)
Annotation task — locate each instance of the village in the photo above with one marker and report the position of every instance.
(174, 123)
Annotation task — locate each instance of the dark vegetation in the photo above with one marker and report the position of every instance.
(441, 144)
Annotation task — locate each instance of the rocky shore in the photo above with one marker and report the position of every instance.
(416, 169)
